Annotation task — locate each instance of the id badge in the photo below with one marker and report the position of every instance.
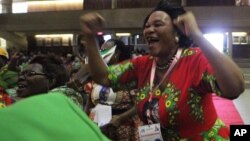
(150, 132)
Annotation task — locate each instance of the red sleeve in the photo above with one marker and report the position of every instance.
(132, 73)
(204, 79)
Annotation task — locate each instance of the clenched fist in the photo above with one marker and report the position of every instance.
(91, 23)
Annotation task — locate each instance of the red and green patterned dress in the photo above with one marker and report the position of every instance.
(5, 99)
(127, 130)
(184, 109)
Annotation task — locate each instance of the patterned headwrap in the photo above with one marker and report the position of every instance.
(108, 53)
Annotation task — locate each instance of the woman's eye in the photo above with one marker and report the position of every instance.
(158, 24)
(147, 26)
(32, 73)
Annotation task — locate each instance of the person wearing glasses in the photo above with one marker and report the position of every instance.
(47, 109)
(175, 81)
(45, 74)
(50, 117)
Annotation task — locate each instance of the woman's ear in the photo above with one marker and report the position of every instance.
(176, 38)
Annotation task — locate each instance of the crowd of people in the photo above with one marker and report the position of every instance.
(164, 94)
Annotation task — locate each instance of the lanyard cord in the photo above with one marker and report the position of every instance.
(152, 76)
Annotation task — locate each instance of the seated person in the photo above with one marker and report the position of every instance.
(45, 73)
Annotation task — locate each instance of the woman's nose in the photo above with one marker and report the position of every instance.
(149, 29)
(21, 78)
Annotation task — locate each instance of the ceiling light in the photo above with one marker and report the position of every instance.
(239, 33)
(123, 34)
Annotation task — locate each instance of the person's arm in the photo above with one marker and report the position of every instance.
(89, 105)
(118, 119)
(228, 75)
(90, 24)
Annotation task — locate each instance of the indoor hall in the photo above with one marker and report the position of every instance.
(36, 27)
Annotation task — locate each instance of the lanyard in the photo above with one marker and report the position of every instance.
(152, 76)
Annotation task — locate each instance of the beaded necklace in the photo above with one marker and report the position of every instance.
(166, 66)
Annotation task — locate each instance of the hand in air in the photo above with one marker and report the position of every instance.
(91, 23)
(187, 24)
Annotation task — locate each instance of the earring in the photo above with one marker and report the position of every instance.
(176, 39)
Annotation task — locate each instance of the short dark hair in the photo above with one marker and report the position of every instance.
(173, 11)
(53, 67)
(125, 51)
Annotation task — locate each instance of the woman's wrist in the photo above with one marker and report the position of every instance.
(119, 96)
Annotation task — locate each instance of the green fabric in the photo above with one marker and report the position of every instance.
(47, 117)
(70, 93)
(8, 79)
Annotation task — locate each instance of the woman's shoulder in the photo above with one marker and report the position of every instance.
(143, 61)
(70, 93)
(144, 58)
(191, 51)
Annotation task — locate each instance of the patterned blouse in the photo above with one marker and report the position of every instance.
(184, 108)
(8, 98)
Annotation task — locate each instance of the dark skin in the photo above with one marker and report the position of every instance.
(81, 76)
(231, 81)
(29, 85)
(158, 28)
(116, 119)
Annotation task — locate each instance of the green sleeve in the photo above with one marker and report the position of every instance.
(8, 79)
(47, 117)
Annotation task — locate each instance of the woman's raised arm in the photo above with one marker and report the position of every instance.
(91, 23)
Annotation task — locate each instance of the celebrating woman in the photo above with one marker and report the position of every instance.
(175, 81)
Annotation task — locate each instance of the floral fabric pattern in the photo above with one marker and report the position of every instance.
(171, 96)
(213, 133)
(70, 93)
(185, 104)
(5, 99)
(210, 80)
(114, 74)
(196, 106)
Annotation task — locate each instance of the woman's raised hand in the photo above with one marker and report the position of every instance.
(91, 23)
(187, 24)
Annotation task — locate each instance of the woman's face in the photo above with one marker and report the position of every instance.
(159, 34)
(32, 81)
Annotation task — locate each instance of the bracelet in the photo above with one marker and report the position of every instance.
(119, 96)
